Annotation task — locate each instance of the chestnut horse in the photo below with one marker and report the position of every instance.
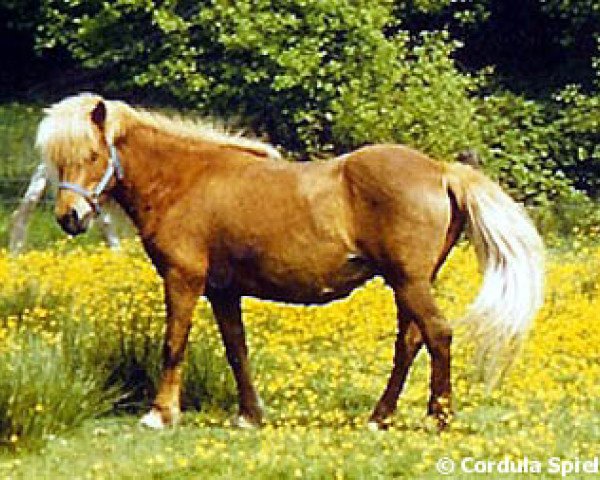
(219, 215)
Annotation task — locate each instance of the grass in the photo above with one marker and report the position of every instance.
(204, 446)
(87, 313)
(43, 392)
(194, 450)
(42, 229)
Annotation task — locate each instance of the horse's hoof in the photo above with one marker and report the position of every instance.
(379, 425)
(374, 426)
(443, 422)
(243, 423)
(156, 420)
(437, 423)
(153, 420)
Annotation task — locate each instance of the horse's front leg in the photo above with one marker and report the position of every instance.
(228, 314)
(182, 290)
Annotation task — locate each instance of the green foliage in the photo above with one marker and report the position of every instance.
(448, 11)
(579, 19)
(319, 77)
(516, 132)
(324, 77)
(575, 219)
(544, 151)
(298, 72)
(576, 143)
(412, 96)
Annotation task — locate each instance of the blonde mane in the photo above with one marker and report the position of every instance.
(67, 135)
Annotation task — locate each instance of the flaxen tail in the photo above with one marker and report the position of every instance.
(511, 256)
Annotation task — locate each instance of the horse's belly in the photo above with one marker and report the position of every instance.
(300, 290)
(303, 282)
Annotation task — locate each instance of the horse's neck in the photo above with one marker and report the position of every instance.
(157, 169)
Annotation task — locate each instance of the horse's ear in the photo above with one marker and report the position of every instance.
(99, 114)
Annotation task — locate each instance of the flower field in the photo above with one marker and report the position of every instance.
(81, 331)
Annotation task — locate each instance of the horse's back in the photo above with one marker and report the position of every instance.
(276, 196)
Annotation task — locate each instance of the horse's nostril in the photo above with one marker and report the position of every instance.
(70, 222)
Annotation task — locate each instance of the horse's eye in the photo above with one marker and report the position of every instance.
(94, 157)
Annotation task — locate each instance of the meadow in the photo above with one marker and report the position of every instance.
(81, 330)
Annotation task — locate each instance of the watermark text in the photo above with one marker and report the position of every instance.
(563, 467)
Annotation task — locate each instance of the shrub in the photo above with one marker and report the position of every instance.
(576, 143)
(515, 133)
(414, 96)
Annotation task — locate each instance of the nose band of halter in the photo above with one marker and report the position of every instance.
(114, 167)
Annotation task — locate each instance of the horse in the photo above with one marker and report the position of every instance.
(223, 216)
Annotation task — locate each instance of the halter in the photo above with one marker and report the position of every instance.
(114, 167)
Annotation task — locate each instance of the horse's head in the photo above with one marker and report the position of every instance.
(74, 143)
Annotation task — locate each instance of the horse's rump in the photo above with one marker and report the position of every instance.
(401, 206)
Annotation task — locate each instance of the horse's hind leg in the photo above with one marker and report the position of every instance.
(408, 344)
(228, 313)
(415, 301)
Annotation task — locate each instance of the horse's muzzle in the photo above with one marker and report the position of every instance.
(72, 224)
